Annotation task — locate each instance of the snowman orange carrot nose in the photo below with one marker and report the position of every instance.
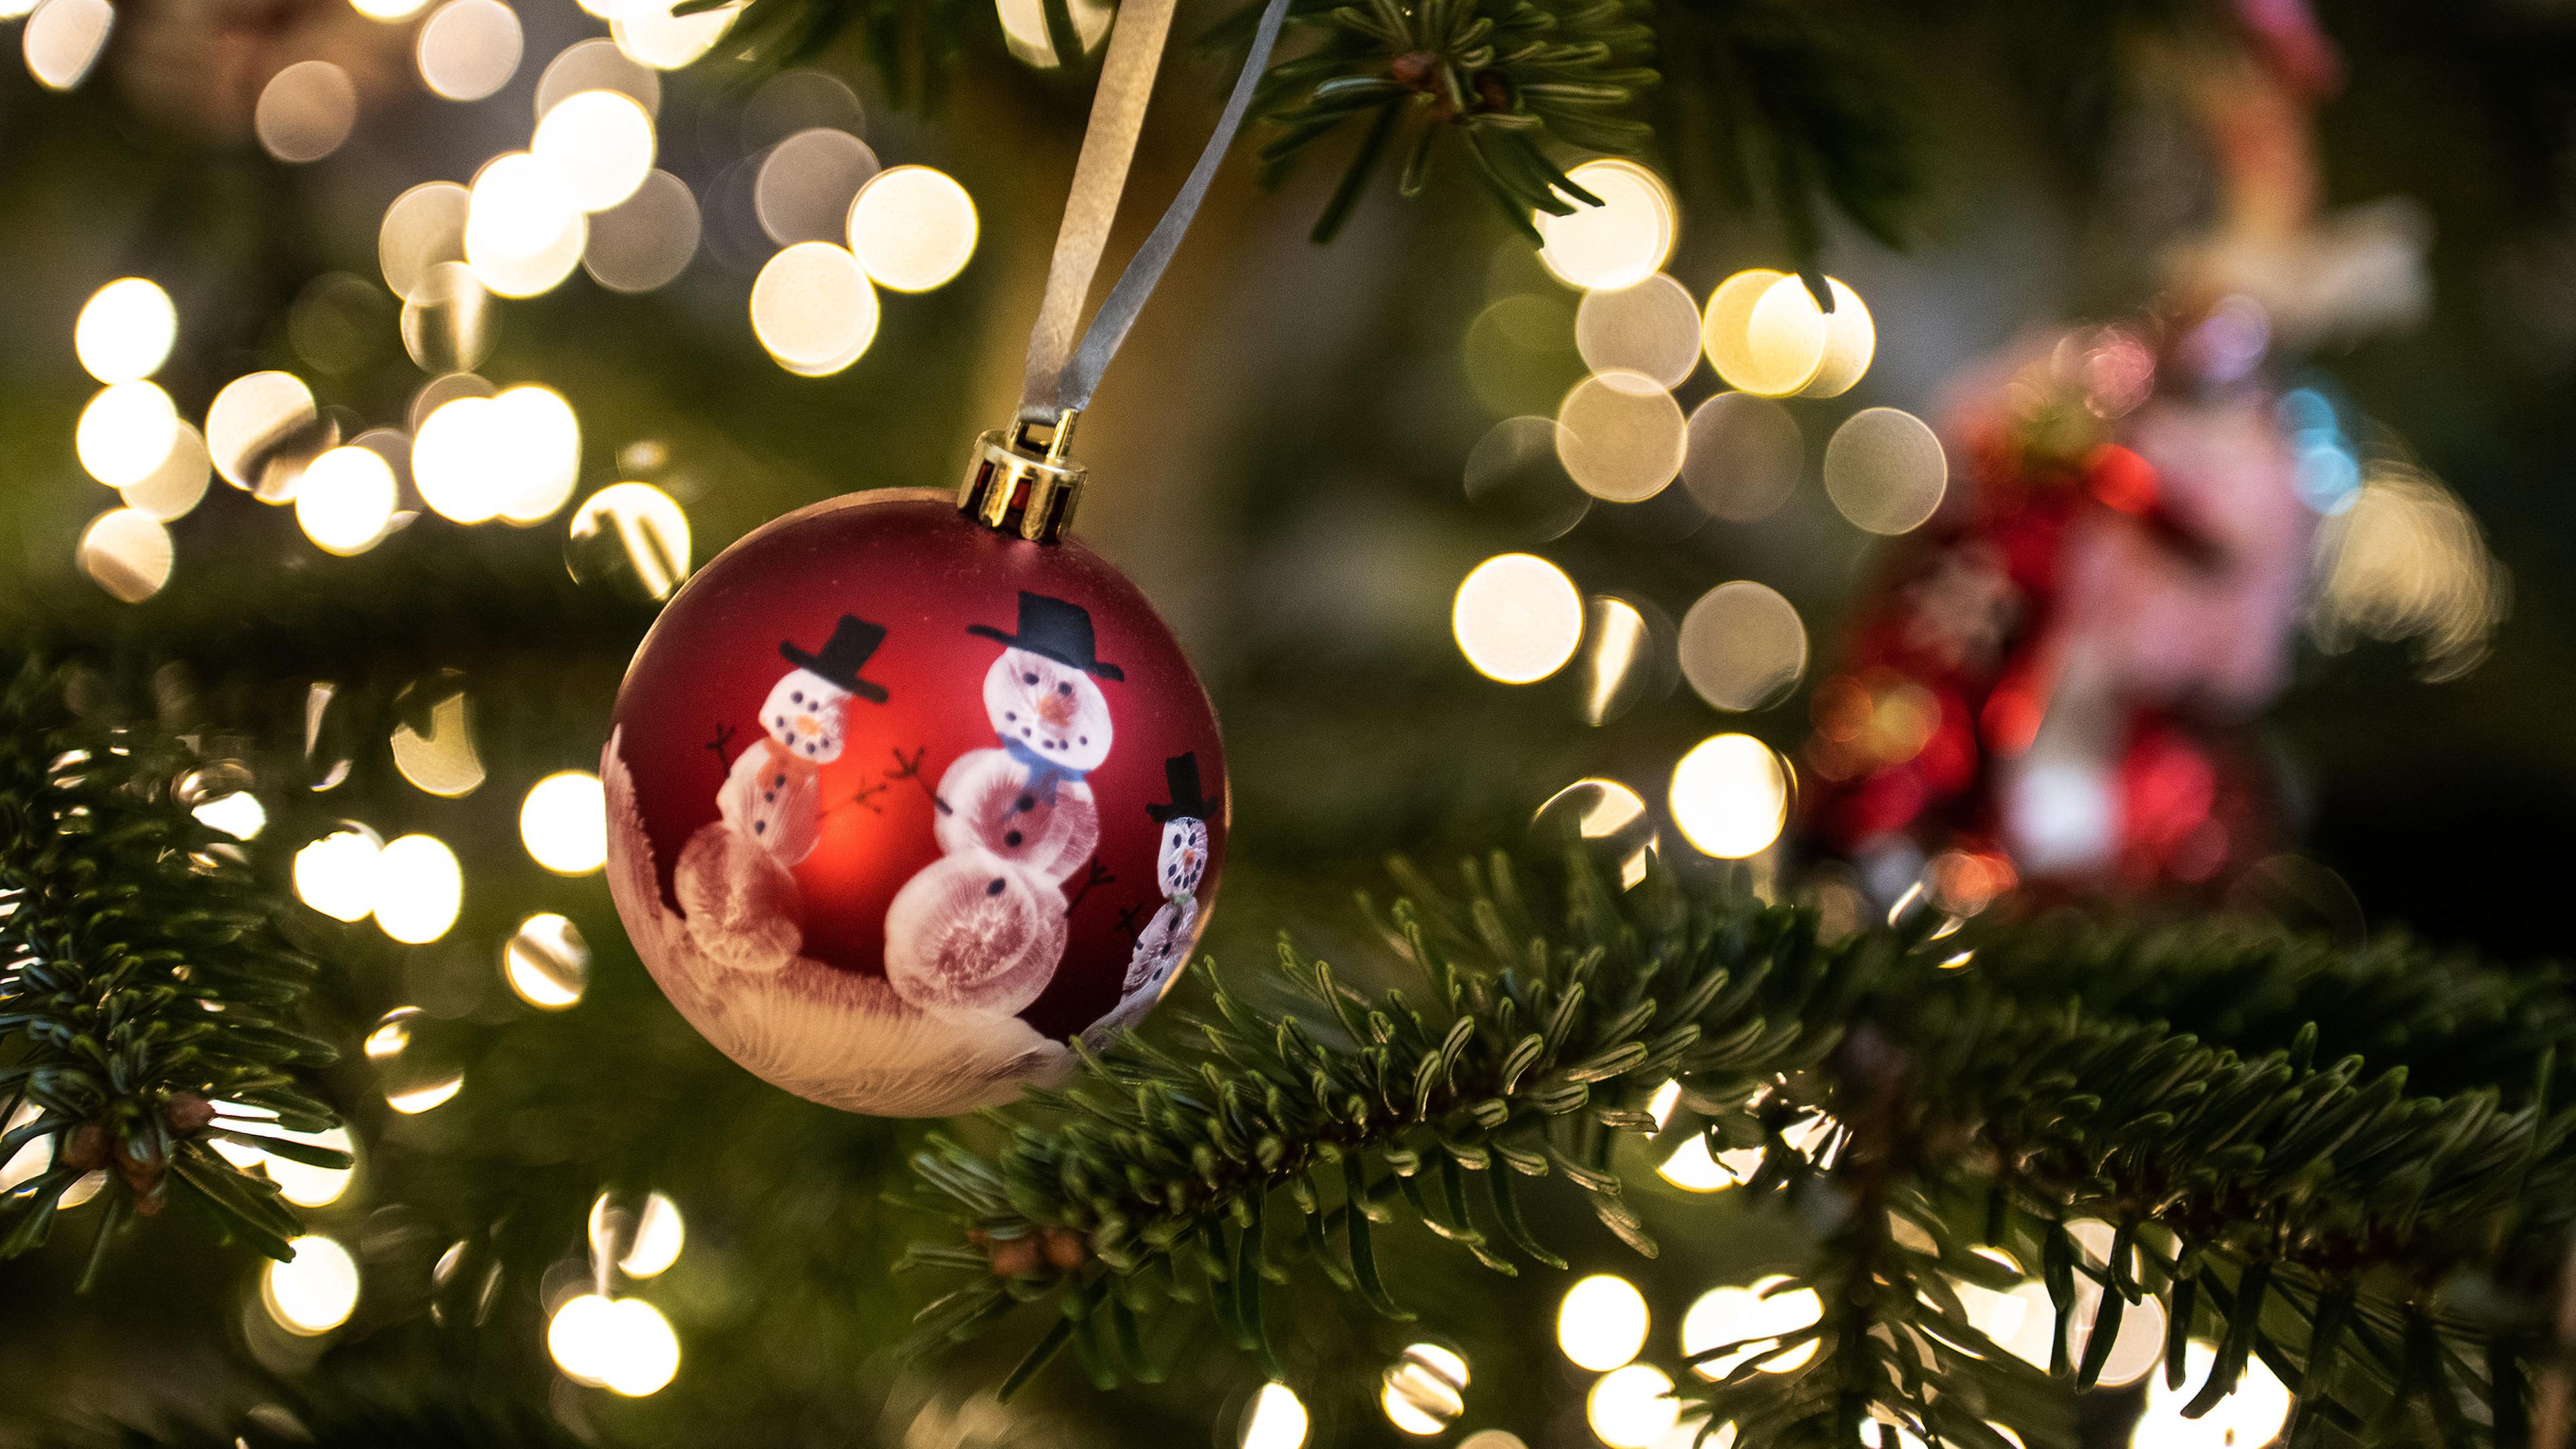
(1056, 709)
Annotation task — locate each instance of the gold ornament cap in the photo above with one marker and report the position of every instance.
(1014, 485)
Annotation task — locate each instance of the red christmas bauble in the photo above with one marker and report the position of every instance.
(899, 805)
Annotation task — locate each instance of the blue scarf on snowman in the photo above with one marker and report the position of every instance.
(1043, 772)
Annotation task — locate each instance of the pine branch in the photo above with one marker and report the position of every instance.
(146, 996)
(2384, 1251)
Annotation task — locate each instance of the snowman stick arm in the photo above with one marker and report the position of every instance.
(1092, 875)
(722, 742)
(910, 769)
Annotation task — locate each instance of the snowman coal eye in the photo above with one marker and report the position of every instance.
(1028, 679)
(1064, 686)
(796, 696)
(782, 721)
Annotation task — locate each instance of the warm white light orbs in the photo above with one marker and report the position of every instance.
(346, 500)
(125, 432)
(1730, 796)
(467, 49)
(1602, 1322)
(1632, 1408)
(624, 1345)
(912, 228)
(128, 553)
(1275, 1420)
(564, 823)
(305, 111)
(600, 142)
(313, 1292)
(418, 889)
(1517, 618)
(523, 233)
(336, 874)
(125, 330)
(814, 309)
(1619, 243)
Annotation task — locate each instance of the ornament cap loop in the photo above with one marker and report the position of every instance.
(1015, 485)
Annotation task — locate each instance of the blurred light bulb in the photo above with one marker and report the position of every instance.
(418, 889)
(128, 553)
(1276, 1419)
(912, 227)
(546, 962)
(600, 143)
(125, 330)
(346, 500)
(125, 432)
(1602, 1322)
(1619, 243)
(624, 1345)
(564, 823)
(336, 874)
(813, 309)
(314, 1291)
(1730, 796)
(1632, 1408)
(238, 814)
(1517, 618)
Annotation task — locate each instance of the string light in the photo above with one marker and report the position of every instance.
(596, 64)
(346, 500)
(646, 240)
(600, 142)
(1742, 646)
(414, 1055)
(1730, 796)
(467, 49)
(1651, 329)
(631, 532)
(523, 235)
(418, 889)
(564, 822)
(1885, 471)
(1632, 1407)
(64, 38)
(1755, 1316)
(539, 441)
(178, 485)
(1276, 1419)
(1517, 618)
(336, 874)
(305, 111)
(1619, 243)
(649, 34)
(253, 428)
(546, 962)
(1621, 436)
(624, 1345)
(421, 228)
(1024, 29)
(1602, 1322)
(126, 552)
(913, 228)
(441, 760)
(813, 309)
(803, 187)
(314, 1290)
(657, 1235)
(125, 330)
(1742, 456)
(125, 432)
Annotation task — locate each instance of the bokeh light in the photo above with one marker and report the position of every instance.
(125, 432)
(813, 309)
(63, 40)
(629, 536)
(448, 321)
(467, 49)
(1764, 333)
(125, 330)
(1755, 1316)
(346, 500)
(1885, 471)
(1627, 656)
(596, 64)
(1621, 436)
(1730, 796)
(301, 1183)
(442, 760)
(912, 228)
(127, 552)
(388, 11)
(546, 962)
(237, 814)
(806, 183)
(336, 874)
(1606, 815)
(646, 240)
(314, 1291)
(1423, 1392)
(624, 1345)
(1742, 457)
(649, 34)
(2407, 561)
(259, 429)
(1275, 1419)
(458, 461)
(1517, 618)
(1632, 1408)
(540, 438)
(305, 111)
(2249, 1417)
(1602, 1322)
(1742, 646)
(643, 1244)
(1024, 29)
(1651, 329)
(418, 889)
(600, 143)
(179, 483)
(523, 234)
(564, 822)
(415, 1057)
(1621, 242)
(421, 228)
(1851, 341)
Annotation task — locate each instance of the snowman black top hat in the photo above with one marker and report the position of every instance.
(1059, 630)
(1181, 779)
(844, 654)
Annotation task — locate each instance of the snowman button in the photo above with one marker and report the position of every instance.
(995, 888)
(760, 827)
(1010, 837)
(1025, 803)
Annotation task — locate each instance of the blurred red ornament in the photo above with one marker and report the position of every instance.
(900, 803)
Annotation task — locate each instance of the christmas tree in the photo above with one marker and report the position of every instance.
(1881, 673)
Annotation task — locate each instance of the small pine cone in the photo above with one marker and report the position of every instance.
(1015, 1257)
(1065, 1249)
(149, 1203)
(1493, 90)
(187, 1113)
(1413, 68)
(143, 1174)
(85, 1147)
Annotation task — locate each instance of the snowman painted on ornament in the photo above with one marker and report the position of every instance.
(733, 878)
(981, 930)
(1180, 864)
